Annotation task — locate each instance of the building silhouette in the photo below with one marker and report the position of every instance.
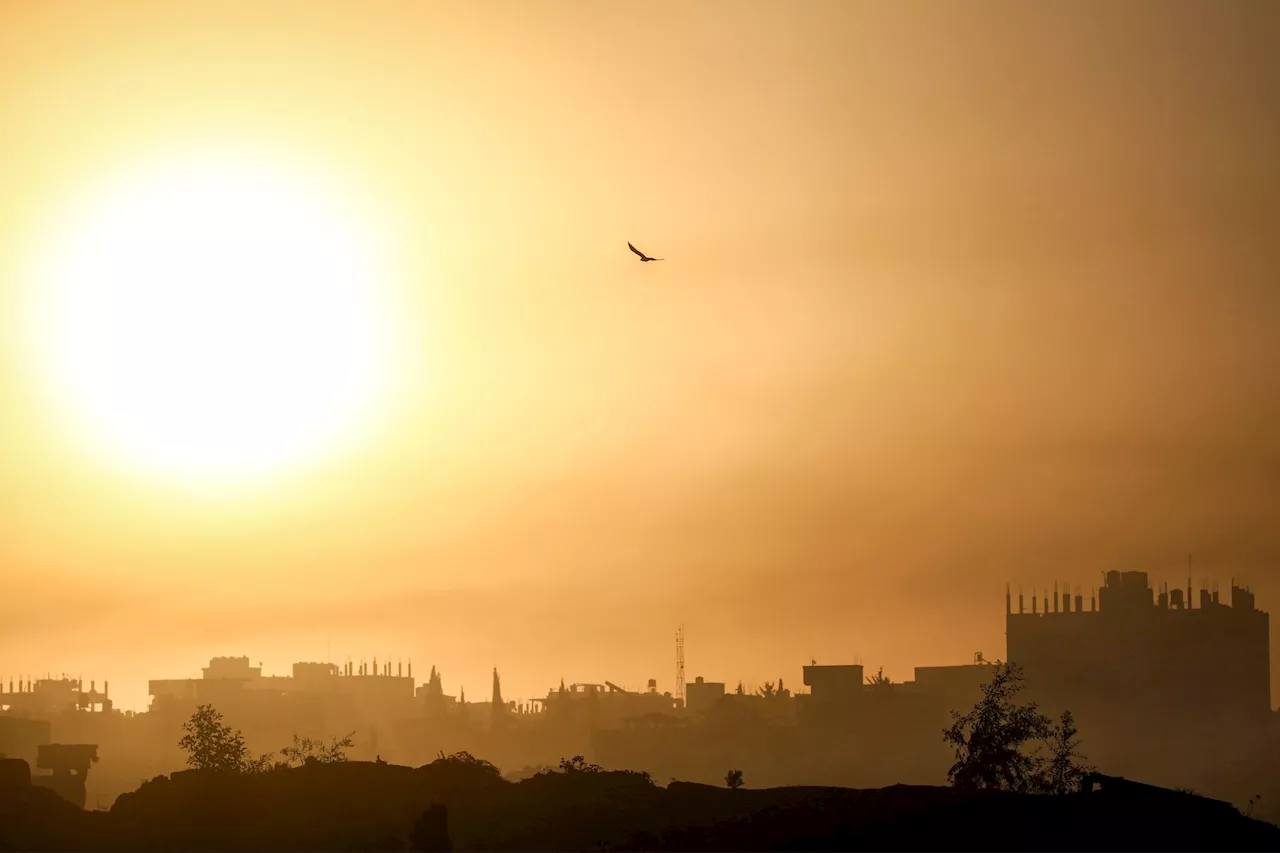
(46, 697)
(1163, 687)
(1151, 654)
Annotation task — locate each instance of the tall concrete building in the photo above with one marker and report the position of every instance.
(1144, 656)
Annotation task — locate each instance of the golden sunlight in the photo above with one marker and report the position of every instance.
(214, 318)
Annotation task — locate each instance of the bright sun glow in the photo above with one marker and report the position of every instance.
(214, 319)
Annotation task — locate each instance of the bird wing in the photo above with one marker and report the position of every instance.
(634, 249)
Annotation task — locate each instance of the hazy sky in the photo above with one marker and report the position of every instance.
(955, 293)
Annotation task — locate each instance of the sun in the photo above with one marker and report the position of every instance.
(214, 318)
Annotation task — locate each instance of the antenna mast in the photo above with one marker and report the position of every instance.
(680, 663)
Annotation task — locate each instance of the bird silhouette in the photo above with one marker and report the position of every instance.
(643, 257)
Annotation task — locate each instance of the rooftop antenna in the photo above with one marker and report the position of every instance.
(680, 663)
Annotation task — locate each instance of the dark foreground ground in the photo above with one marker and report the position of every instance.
(364, 806)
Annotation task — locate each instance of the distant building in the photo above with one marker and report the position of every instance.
(21, 737)
(49, 697)
(1144, 656)
(834, 691)
(233, 668)
(702, 695)
(232, 680)
(958, 687)
(595, 706)
(315, 700)
(67, 767)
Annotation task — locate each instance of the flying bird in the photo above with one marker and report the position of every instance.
(643, 257)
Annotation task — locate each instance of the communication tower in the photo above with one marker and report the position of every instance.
(680, 663)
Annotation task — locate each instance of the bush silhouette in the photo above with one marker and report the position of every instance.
(307, 750)
(578, 764)
(465, 762)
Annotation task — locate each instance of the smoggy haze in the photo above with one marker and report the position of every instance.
(955, 294)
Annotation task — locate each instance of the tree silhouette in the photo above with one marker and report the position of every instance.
(212, 745)
(733, 779)
(1063, 771)
(990, 740)
(879, 679)
(768, 691)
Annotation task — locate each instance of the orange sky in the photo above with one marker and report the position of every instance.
(956, 293)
